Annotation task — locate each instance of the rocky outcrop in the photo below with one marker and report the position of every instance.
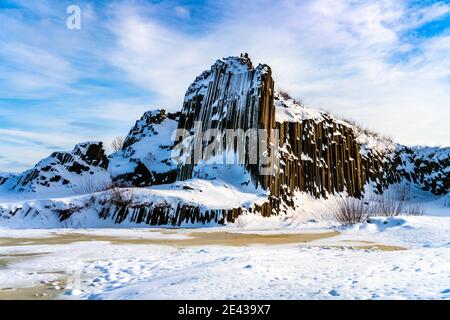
(86, 163)
(4, 177)
(145, 158)
(322, 155)
(178, 204)
(317, 153)
(428, 168)
(233, 94)
(308, 151)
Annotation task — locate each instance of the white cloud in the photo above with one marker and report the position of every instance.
(422, 16)
(350, 57)
(33, 70)
(337, 55)
(182, 12)
(156, 58)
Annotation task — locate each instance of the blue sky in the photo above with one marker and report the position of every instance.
(384, 63)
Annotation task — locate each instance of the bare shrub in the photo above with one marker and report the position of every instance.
(414, 210)
(395, 202)
(120, 197)
(348, 211)
(391, 203)
(447, 201)
(119, 184)
(284, 94)
(117, 144)
(88, 184)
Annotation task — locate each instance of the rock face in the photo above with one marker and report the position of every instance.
(318, 154)
(145, 158)
(84, 166)
(322, 155)
(428, 168)
(4, 177)
(231, 95)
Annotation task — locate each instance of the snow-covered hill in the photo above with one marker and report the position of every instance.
(62, 172)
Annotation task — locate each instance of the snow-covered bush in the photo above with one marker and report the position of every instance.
(120, 197)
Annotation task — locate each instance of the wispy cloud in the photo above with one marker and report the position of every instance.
(350, 57)
(182, 12)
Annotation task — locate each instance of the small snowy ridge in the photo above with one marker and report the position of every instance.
(57, 174)
(289, 110)
(151, 146)
(214, 194)
(404, 231)
(205, 194)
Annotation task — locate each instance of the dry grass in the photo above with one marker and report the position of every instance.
(395, 202)
(287, 96)
(284, 94)
(348, 211)
(87, 185)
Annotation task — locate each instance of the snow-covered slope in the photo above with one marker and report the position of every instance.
(195, 201)
(145, 158)
(63, 172)
(288, 109)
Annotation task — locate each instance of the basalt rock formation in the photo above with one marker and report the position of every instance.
(322, 155)
(318, 154)
(231, 95)
(309, 151)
